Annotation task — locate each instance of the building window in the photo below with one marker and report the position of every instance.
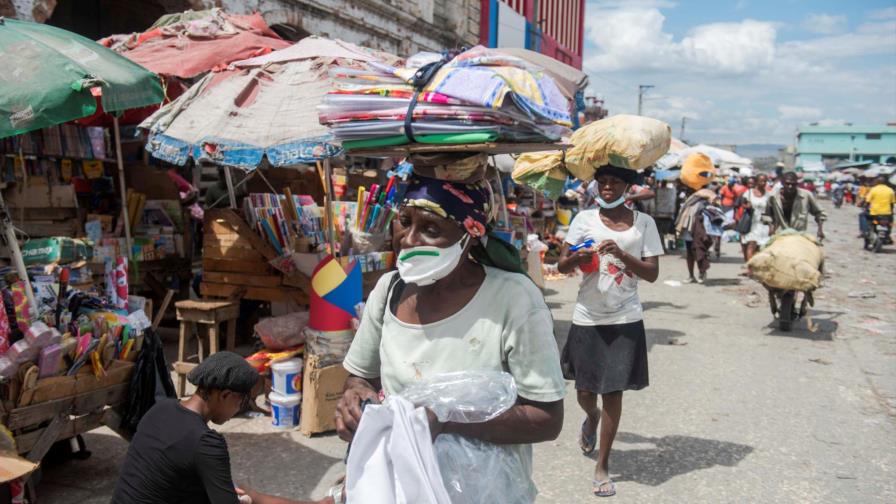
(872, 136)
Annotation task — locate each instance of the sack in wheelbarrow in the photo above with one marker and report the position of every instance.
(790, 261)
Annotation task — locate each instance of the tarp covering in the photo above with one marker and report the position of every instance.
(52, 76)
(192, 45)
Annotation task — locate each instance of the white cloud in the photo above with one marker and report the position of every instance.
(824, 23)
(886, 13)
(831, 122)
(633, 38)
(735, 81)
(731, 47)
(798, 112)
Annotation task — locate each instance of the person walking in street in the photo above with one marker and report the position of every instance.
(460, 301)
(606, 350)
(754, 203)
(690, 225)
(791, 208)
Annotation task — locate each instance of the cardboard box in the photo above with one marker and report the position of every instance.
(321, 390)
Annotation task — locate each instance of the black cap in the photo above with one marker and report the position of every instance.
(224, 371)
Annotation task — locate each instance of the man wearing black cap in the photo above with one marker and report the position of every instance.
(175, 457)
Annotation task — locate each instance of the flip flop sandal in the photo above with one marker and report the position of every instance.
(587, 442)
(608, 493)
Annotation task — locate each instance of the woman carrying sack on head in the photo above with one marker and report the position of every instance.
(460, 301)
(606, 351)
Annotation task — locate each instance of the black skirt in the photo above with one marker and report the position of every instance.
(606, 358)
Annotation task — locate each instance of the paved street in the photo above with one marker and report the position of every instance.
(736, 411)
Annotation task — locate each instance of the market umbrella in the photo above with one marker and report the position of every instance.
(266, 107)
(52, 76)
(190, 45)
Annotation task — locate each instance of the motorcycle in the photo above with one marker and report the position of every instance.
(837, 197)
(784, 306)
(878, 233)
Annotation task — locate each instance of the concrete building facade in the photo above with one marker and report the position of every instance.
(552, 27)
(829, 145)
(400, 27)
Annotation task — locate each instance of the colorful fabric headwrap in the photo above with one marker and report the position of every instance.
(470, 207)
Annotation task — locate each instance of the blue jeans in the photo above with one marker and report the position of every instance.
(863, 222)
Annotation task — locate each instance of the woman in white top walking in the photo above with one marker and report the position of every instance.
(755, 202)
(606, 350)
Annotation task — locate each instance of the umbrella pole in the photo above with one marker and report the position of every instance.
(124, 192)
(228, 177)
(328, 203)
(15, 252)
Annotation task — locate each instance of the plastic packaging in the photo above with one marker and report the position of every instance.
(365, 243)
(284, 410)
(287, 376)
(329, 346)
(285, 331)
(475, 471)
(464, 396)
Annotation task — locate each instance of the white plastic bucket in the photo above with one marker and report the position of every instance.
(287, 377)
(284, 410)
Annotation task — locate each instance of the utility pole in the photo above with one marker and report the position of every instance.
(641, 89)
(681, 132)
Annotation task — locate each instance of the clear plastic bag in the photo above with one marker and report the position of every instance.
(475, 471)
(464, 396)
(285, 331)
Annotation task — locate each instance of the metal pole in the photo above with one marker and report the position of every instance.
(124, 192)
(228, 177)
(641, 89)
(681, 133)
(15, 252)
(328, 200)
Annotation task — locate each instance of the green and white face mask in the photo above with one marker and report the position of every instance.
(426, 265)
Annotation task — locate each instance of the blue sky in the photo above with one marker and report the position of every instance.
(745, 71)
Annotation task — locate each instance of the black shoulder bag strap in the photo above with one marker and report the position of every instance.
(421, 78)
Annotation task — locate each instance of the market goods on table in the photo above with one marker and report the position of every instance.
(790, 261)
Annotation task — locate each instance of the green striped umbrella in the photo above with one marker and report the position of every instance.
(51, 76)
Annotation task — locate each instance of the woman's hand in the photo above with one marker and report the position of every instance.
(435, 425)
(348, 410)
(610, 247)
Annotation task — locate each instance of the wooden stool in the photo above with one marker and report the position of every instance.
(208, 313)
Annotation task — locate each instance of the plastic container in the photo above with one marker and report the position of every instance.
(284, 410)
(287, 377)
(592, 266)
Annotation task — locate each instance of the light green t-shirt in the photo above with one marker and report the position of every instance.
(505, 327)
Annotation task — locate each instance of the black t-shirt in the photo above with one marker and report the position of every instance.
(175, 458)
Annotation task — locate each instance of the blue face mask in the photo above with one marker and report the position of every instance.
(612, 204)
